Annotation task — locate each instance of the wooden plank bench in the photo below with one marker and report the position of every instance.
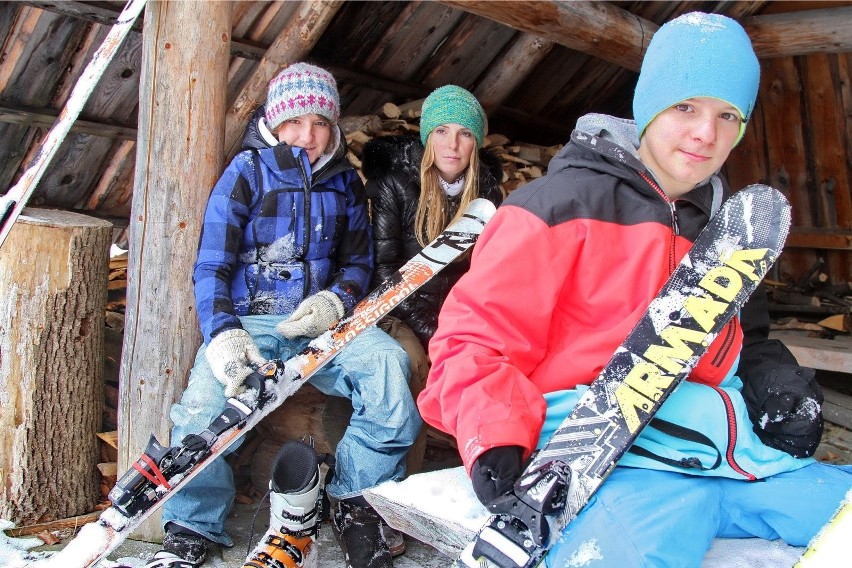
(826, 354)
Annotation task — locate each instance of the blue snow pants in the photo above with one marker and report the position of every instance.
(373, 372)
(655, 519)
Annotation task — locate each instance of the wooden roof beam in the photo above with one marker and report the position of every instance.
(799, 33)
(502, 79)
(610, 33)
(108, 16)
(597, 28)
(45, 118)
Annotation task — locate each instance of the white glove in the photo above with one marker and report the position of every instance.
(230, 354)
(314, 315)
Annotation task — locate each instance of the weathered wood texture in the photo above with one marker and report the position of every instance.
(615, 35)
(53, 270)
(796, 143)
(812, 31)
(576, 25)
(178, 160)
(826, 354)
(525, 53)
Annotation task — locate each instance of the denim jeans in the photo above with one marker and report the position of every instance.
(373, 372)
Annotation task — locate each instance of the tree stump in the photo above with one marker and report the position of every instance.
(53, 279)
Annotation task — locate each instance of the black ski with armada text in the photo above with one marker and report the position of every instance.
(161, 470)
(709, 286)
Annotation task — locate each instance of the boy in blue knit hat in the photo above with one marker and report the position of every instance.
(621, 204)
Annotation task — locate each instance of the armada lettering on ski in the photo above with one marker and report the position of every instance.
(645, 384)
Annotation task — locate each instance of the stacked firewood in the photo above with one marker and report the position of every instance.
(813, 304)
(522, 162)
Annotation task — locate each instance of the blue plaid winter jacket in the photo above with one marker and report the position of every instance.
(276, 232)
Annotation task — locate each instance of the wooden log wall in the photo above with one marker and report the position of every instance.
(800, 143)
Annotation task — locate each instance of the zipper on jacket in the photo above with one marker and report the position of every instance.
(307, 227)
(728, 340)
(732, 435)
(672, 215)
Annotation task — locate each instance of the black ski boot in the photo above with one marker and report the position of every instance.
(182, 548)
(358, 528)
(295, 501)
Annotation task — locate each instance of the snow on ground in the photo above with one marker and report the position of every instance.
(15, 552)
(431, 493)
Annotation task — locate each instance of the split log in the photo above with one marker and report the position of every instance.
(53, 275)
(441, 509)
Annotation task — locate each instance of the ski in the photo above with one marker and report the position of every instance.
(161, 471)
(709, 286)
(830, 546)
(13, 202)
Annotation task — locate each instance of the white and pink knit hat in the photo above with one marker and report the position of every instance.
(301, 89)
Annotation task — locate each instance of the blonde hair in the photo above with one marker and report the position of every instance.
(433, 207)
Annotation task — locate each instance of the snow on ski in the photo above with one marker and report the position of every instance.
(161, 471)
(724, 266)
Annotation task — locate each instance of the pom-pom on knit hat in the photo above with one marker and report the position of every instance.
(697, 55)
(301, 89)
(452, 105)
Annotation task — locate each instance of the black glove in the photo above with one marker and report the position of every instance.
(494, 473)
(785, 407)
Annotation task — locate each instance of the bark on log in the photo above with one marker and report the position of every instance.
(53, 271)
(178, 160)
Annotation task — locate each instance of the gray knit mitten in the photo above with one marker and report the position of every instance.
(231, 354)
(314, 315)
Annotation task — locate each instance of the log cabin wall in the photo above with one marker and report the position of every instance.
(800, 143)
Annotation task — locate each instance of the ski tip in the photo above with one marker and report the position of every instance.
(481, 208)
(764, 191)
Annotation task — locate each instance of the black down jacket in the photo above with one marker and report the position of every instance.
(392, 167)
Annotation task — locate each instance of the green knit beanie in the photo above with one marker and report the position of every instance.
(453, 105)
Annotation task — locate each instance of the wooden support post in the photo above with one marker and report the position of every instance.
(179, 158)
(53, 278)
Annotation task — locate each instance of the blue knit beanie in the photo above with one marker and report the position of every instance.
(452, 104)
(697, 55)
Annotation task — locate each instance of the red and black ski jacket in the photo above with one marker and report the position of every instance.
(559, 277)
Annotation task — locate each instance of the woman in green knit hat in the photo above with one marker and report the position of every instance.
(418, 187)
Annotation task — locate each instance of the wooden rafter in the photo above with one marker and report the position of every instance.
(615, 35)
